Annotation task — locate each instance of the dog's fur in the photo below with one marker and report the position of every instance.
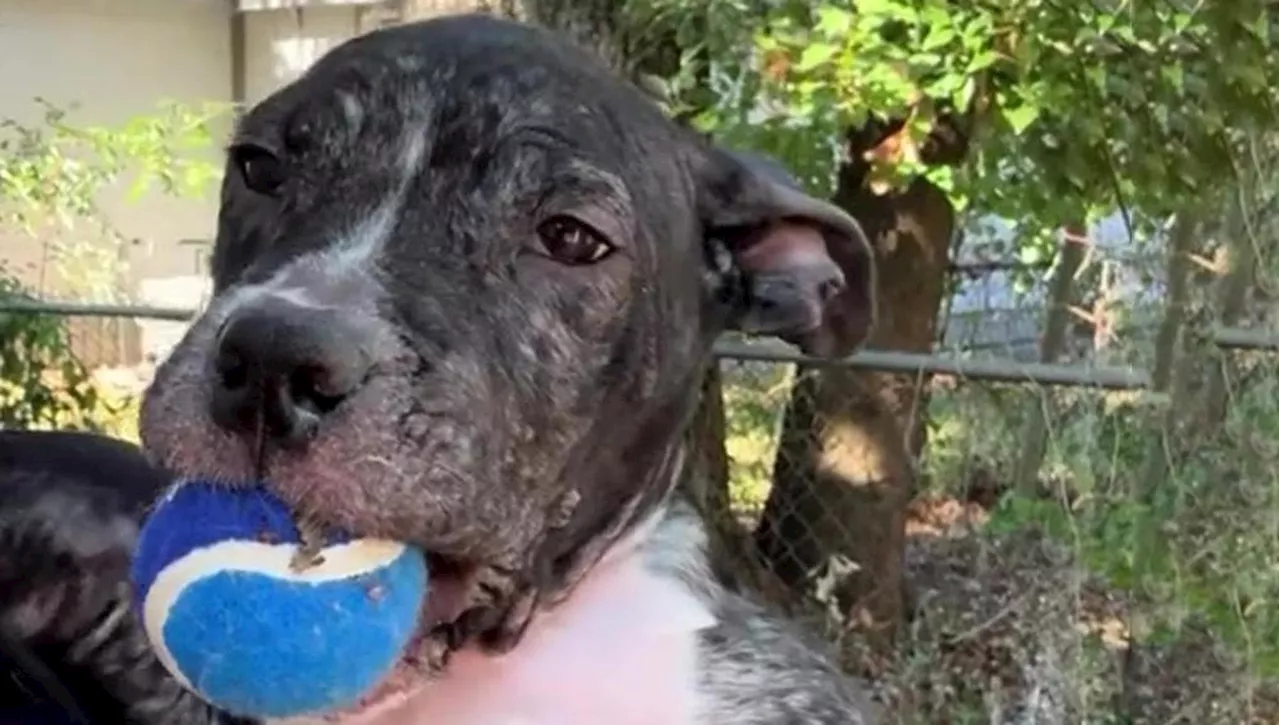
(506, 394)
(70, 649)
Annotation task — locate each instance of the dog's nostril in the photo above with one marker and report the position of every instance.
(282, 367)
(830, 288)
(232, 370)
(314, 388)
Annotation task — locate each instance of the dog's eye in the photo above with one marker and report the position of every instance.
(570, 241)
(261, 169)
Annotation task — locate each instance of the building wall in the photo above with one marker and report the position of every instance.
(112, 60)
(281, 44)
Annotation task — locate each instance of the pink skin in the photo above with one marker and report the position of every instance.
(620, 651)
(785, 244)
(790, 245)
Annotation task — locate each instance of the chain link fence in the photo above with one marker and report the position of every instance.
(1076, 540)
(1032, 521)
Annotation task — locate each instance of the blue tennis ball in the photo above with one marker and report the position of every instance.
(229, 617)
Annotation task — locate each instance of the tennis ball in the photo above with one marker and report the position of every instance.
(231, 618)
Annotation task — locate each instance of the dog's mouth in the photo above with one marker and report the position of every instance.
(410, 672)
(401, 459)
(420, 662)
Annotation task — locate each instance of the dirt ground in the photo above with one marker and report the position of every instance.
(1006, 630)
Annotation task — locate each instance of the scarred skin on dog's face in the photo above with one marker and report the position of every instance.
(512, 249)
(414, 184)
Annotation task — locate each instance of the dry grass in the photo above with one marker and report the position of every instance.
(1035, 610)
(1010, 629)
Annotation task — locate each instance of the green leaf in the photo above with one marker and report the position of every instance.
(1020, 117)
(877, 7)
(964, 96)
(834, 21)
(1251, 77)
(982, 61)
(938, 36)
(1125, 33)
(814, 55)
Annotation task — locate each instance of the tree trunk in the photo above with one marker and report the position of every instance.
(1168, 345)
(1075, 241)
(845, 468)
(1233, 298)
(706, 483)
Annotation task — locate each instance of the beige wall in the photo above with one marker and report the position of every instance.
(281, 44)
(114, 60)
(117, 59)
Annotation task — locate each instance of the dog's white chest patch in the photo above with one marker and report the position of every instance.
(621, 651)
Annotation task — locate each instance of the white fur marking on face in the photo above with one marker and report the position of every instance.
(351, 109)
(306, 280)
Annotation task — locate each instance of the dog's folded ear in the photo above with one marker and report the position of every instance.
(795, 266)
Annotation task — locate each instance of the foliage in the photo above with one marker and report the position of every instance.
(53, 173)
(754, 393)
(51, 177)
(42, 384)
(1215, 568)
(1215, 563)
(57, 169)
(1070, 112)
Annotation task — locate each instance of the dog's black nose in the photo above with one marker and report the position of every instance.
(280, 367)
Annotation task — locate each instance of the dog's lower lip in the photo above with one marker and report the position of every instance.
(408, 674)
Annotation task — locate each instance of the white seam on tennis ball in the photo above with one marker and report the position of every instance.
(341, 561)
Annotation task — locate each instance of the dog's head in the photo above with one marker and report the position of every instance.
(466, 282)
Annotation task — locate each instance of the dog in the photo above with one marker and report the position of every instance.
(71, 651)
(466, 284)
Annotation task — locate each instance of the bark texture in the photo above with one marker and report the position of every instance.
(845, 468)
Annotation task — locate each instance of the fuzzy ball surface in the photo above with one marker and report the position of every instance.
(228, 614)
